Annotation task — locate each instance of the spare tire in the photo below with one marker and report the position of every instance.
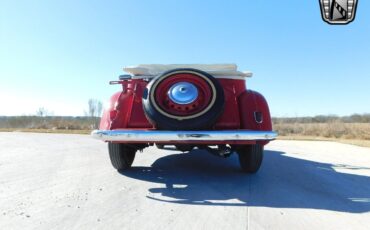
(183, 99)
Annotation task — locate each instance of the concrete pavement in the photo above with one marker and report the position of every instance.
(60, 181)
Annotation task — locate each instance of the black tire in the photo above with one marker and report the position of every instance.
(250, 157)
(204, 121)
(121, 156)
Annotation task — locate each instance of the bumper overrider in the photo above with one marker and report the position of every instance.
(183, 136)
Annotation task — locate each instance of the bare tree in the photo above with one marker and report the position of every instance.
(94, 111)
(42, 112)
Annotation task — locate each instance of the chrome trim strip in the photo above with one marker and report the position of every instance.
(163, 135)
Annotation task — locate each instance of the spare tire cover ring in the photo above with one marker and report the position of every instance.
(157, 82)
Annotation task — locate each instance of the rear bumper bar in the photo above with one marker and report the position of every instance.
(182, 136)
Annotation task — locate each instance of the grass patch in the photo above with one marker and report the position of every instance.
(65, 131)
(334, 129)
(358, 142)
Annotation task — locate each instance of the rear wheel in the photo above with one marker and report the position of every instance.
(250, 157)
(121, 155)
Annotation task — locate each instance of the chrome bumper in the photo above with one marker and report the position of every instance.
(178, 136)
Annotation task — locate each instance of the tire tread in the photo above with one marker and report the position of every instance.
(250, 157)
(121, 156)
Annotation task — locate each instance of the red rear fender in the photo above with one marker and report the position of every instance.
(111, 113)
(254, 111)
(125, 108)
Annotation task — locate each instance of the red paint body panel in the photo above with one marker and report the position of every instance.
(136, 117)
(126, 109)
(229, 119)
(249, 103)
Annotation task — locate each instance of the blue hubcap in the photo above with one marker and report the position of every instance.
(183, 93)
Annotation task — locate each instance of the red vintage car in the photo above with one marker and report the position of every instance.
(187, 106)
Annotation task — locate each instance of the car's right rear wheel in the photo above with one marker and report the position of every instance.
(121, 155)
(250, 157)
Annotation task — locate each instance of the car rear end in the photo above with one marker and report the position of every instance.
(207, 107)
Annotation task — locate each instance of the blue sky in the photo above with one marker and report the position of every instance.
(58, 54)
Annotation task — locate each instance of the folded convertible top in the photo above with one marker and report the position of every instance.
(217, 70)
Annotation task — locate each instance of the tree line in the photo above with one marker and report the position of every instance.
(44, 119)
(354, 118)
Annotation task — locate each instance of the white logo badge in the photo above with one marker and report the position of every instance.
(338, 11)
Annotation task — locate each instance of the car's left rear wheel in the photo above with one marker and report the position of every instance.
(121, 155)
(250, 157)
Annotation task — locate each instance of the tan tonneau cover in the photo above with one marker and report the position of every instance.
(217, 70)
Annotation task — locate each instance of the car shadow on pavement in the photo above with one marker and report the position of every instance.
(199, 178)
